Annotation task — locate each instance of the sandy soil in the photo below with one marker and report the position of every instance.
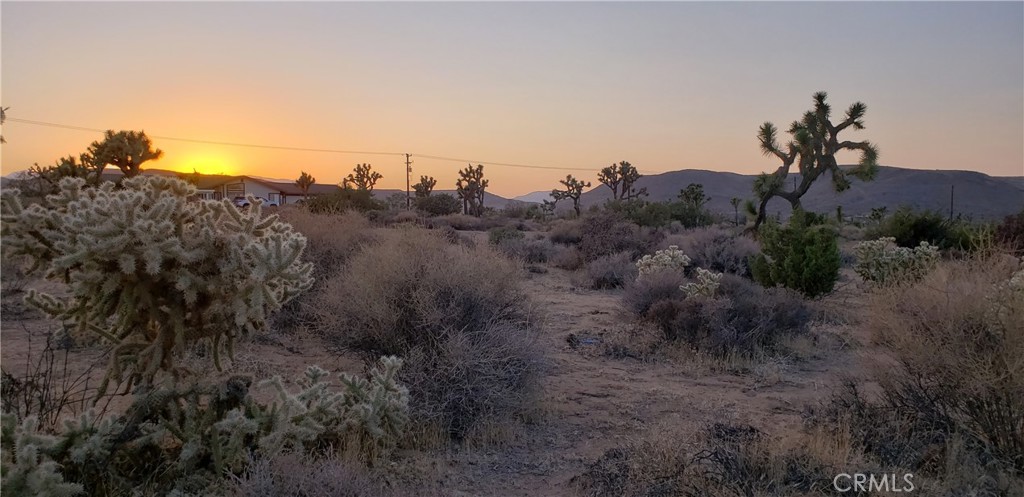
(591, 402)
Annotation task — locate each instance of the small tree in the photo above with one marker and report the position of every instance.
(425, 186)
(735, 201)
(803, 256)
(573, 190)
(813, 149)
(621, 178)
(126, 150)
(441, 204)
(363, 177)
(470, 188)
(304, 182)
(689, 210)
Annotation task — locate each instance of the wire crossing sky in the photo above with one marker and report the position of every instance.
(568, 86)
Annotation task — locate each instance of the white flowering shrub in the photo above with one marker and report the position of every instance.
(150, 270)
(706, 285)
(883, 263)
(669, 259)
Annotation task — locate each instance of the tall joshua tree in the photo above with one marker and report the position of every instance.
(470, 188)
(573, 190)
(304, 182)
(813, 147)
(363, 177)
(126, 150)
(425, 186)
(620, 178)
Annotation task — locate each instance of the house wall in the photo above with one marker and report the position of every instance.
(249, 187)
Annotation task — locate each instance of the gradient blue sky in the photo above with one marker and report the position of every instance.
(663, 85)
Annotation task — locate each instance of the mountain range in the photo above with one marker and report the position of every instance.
(974, 195)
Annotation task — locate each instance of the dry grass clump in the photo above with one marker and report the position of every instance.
(610, 271)
(725, 459)
(566, 232)
(568, 258)
(456, 314)
(642, 293)
(295, 475)
(951, 401)
(716, 249)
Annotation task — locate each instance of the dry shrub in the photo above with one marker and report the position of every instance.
(528, 251)
(715, 248)
(456, 314)
(331, 239)
(611, 271)
(743, 318)
(566, 232)
(607, 232)
(460, 222)
(642, 293)
(958, 340)
(568, 258)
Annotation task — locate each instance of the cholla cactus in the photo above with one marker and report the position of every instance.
(669, 259)
(150, 270)
(882, 263)
(25, 464)
(706, 286)
(365, 419)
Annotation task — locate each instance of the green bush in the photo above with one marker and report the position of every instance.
(344, 200)
(498, 235)
(803, 256)
(439, 204)
(909, 228)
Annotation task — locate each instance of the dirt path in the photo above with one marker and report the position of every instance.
(594, 403)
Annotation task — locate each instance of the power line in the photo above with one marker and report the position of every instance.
(305, 149)
(209, 142)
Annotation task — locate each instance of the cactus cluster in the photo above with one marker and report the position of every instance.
(669, 259)
(882, 263)
(706, 285)
(184, 439)
(150, 269)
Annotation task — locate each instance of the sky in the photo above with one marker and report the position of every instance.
(577, 85)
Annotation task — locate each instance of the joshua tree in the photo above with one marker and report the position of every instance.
(735, 201)
(813, 149)
(470, 187)
(620, 178)
(363, 178)
(573, 190)
(304, 182)
(66, 167)
(425, 186)
(126, 150)
(693, 196)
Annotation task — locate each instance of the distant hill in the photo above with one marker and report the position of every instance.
(975, 194)
(535, 197)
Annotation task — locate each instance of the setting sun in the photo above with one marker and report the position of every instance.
(205, 162)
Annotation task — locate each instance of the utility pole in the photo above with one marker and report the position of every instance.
(408, 172)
